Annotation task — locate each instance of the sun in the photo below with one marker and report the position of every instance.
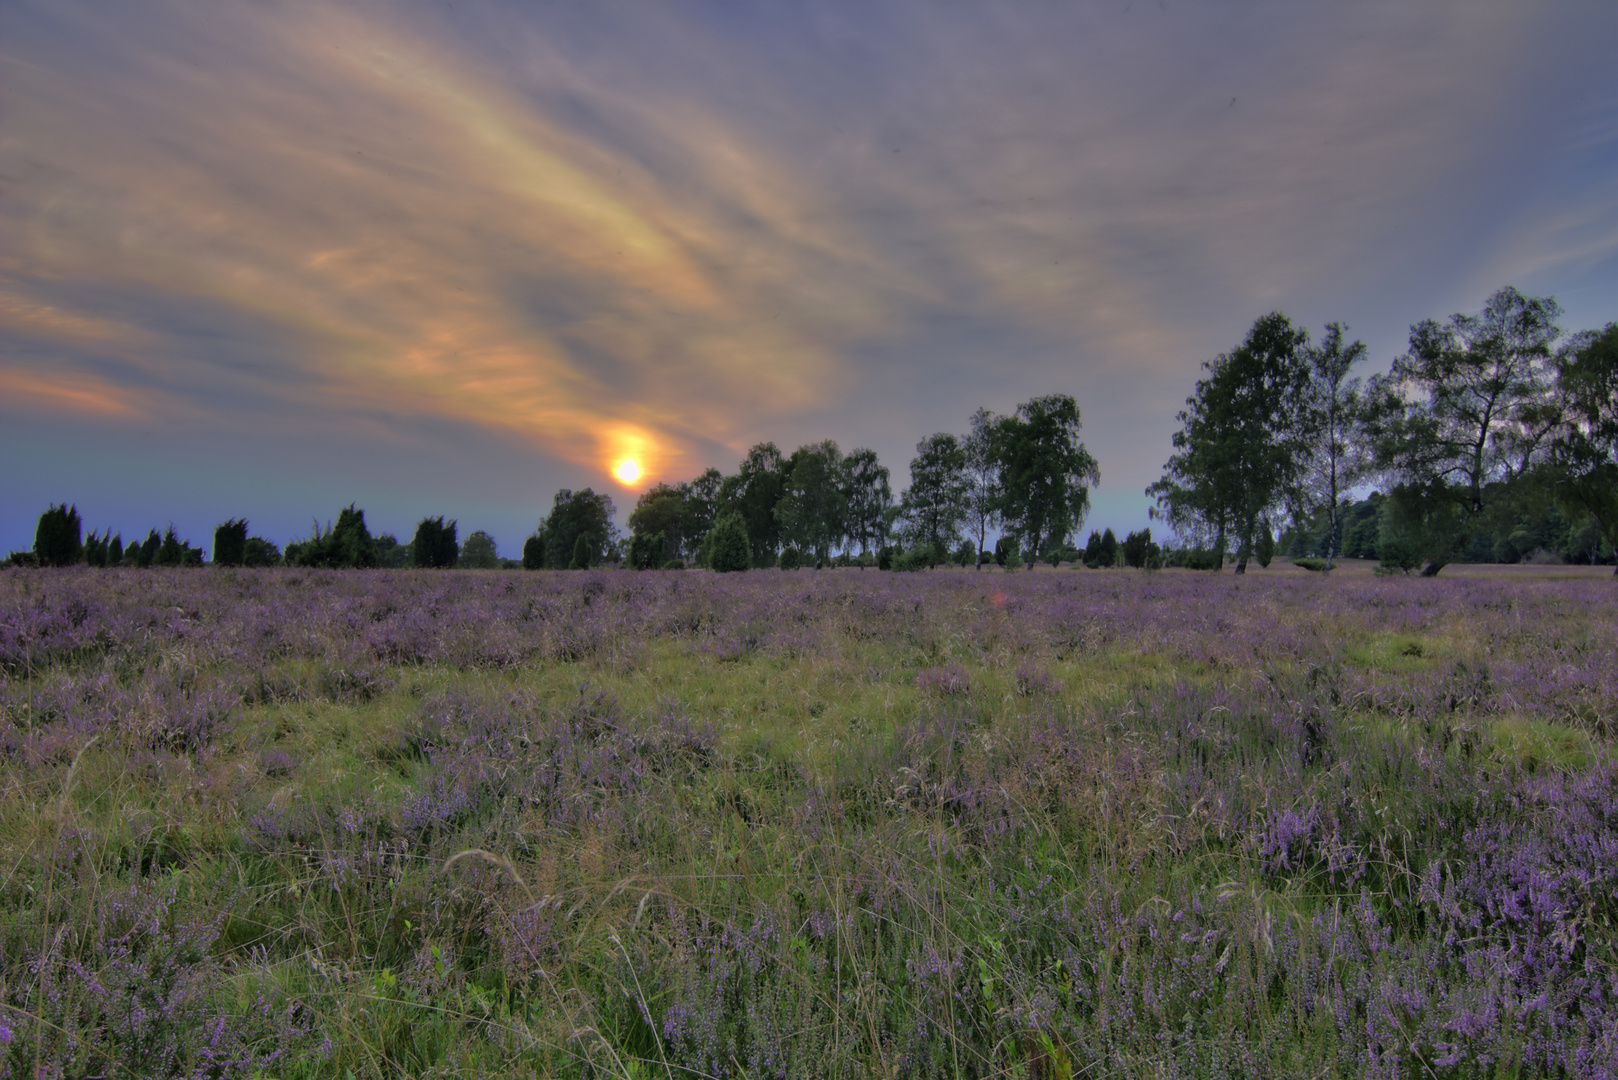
(627, 471)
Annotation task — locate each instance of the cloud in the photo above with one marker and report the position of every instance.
(679, 229)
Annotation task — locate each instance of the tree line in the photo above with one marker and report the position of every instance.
(1484, 425)
(1494, 438)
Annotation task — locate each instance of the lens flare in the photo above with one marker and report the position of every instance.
(627, 472)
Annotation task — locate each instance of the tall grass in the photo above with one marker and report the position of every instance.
(799, 824)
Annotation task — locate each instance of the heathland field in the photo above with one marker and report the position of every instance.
(791, 824)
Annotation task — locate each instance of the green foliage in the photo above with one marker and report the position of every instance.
(579, 515)
(1101, 550)
(95, 550)
(1460, 419)
(1398, 551)
(753, 494)
(728, 545)
(1244, 440)
(230, 543)
(392, 555)
(1044, 472)
(660, 511)
(699, 508)
(1005, 551)
(646, 551)
(582, 553)
(346, 544)
(1264, 549)
(1140, 551)
(934, 505)
(172, 552)
(1332, 422)
(533, 552)
(1313, 564)
(146, 554)
(478, 553)
(258, 551)
(790, 559)
(57, 538)
(867, 498)
(814, 506)
(1584, 451)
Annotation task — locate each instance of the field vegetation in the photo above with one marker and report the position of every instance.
(319, 823)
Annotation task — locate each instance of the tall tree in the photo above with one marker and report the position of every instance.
(1461, 418)
(1045, 472)
(230, 543)
(660, 511)
(1333, 416)
(1240, 450)
(753, 493)
(867, 495)
(58, 538)
(982, 474)
(1584, 451)
(812, 506)
(935, 503)
(577, 515)
(700, 508)
(434, 547)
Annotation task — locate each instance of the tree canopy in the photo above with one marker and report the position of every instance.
(1045, 473)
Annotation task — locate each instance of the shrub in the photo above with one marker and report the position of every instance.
(1138, 549)
(434, 546)
(1315, 565)
(728, 549)
(260, 552)
(581, 554)
(1264, 549)
(479, 553)
(533, 553)
(791, 558)
(57, 537)
(230, 543)
(646, 550)
(1005, 550)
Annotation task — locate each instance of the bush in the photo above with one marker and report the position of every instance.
(1315, 565)
(1005, 550)
(260, 552)
(230, 543)
(479, 553)
(646, 551)
(1398, 553)
(581, 554)
(968, 552)
(916, 558)
(533, 553)
(791, 558)
(434, 546)
(1138, 549)
(728, 549)
(57, 538)
(1264, 549)
(1195, 558)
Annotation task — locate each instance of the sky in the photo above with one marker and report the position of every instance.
(263, 260)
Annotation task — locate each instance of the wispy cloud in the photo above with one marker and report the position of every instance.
(679, 229)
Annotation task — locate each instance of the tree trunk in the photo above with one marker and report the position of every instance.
(1432, 568)
(1241, 566)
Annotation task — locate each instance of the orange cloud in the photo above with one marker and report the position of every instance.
(79, 394)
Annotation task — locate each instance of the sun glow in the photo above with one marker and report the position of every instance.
(627, 471)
